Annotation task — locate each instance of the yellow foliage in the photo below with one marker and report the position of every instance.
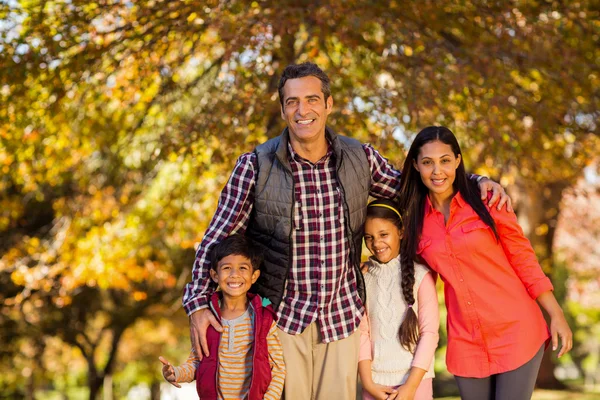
(124, 145)
(541, 229)
(139, 296)
(18, 278)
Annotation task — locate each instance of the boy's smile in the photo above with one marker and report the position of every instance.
(234, 275)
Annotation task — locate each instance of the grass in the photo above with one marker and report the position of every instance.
(552, 395)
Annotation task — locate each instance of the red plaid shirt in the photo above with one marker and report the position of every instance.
(321, 284)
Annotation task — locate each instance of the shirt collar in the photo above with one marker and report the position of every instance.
(428, 206)
(457, 199)
(296, 157)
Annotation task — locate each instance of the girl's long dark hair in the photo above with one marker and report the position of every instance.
(413, 194)
(408, 333)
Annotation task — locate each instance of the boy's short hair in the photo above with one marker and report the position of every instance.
(236, 245)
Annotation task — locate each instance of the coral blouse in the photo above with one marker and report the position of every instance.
(494, 323)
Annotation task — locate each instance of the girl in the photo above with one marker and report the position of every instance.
(496, 331)
(400, 333)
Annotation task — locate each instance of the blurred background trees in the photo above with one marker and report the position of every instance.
(120, 122)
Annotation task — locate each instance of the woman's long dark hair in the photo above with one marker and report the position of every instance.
(408, 333)
(413, 193)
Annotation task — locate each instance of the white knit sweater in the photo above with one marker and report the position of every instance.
(386, 308)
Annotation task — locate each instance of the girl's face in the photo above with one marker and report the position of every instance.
(437, 164)
(382, 238)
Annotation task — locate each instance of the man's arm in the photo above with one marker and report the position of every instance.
(232, 215)
(385, 179)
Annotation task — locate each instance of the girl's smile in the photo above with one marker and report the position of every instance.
(382, 238)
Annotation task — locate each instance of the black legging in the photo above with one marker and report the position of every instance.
(512, 385)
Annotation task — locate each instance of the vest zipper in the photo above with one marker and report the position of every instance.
(216, 355)
(291, 246)
(253, 350)
(355, 263)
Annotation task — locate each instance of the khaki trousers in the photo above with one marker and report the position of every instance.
(316, 370)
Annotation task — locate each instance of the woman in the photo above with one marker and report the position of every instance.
(492, 279)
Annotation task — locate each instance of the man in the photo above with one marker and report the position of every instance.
(302, 197)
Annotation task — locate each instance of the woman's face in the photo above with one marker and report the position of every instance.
(437, 164)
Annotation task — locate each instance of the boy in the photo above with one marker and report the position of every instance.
(246, 360)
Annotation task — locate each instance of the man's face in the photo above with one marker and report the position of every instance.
(304, 109)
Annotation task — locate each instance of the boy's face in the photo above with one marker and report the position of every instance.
(234, 275)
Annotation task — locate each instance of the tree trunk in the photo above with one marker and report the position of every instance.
(94, 389)
(30, 389)
(107, 388)
(538, 212)
(94, 381)
(155, 390)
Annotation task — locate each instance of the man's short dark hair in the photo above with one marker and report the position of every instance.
(236, 245)
(294, 71)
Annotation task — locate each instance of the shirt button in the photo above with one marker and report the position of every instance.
(468, 302)
(461, 280)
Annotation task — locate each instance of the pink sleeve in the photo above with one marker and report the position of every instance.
(429, 323)
(365, 339)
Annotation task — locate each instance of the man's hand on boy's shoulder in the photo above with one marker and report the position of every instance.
(199, 322)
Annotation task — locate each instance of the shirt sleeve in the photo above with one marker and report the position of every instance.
(520, 254)
(232, 215)
(364, 352)
(385, 179)
(186, 372)
(429, 323)
(277, 364)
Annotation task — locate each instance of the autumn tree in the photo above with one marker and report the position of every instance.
(121, 120)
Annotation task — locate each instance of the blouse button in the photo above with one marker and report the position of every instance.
(468, 302)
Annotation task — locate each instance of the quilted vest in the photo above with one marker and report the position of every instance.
(271, 221)
(206, 373)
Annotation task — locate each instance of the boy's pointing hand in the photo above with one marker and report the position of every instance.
(168, 372)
